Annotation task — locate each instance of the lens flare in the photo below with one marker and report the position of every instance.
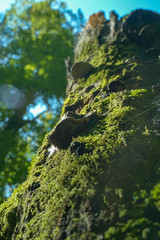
(11, 97)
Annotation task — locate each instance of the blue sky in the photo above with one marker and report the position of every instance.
(122, 7)
(89, 7)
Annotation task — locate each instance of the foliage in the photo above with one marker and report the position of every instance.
(36, 37)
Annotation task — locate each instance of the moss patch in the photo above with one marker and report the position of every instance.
(93, 196)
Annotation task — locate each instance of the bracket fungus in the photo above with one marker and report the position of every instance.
(70, 126)
(115, 86)
(81, 69)
(142, 25)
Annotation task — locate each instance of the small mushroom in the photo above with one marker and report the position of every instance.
(115, 86)
(70, 126)
(88, 88)
(81, 69)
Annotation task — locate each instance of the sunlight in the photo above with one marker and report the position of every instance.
(39, 108)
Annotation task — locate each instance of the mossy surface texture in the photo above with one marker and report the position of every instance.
(112, 190)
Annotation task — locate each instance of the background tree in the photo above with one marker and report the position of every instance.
(36, 37)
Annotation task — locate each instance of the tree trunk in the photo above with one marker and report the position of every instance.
(97, 175)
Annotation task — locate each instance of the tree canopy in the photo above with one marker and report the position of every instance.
(36, 37)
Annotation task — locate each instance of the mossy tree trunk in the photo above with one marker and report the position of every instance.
(102, 181)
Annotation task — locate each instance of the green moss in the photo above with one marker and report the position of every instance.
(86, 50)
(94, 196)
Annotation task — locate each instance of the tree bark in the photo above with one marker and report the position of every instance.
(97, 175)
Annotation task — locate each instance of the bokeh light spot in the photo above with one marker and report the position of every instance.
(11, 97)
